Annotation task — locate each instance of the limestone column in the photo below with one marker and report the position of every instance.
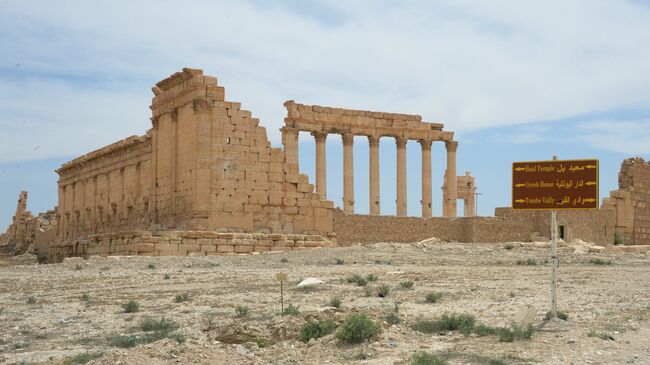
(290, 142)
(321, 164)
(426, 178)
(401, 175)
(373, 175)
(348, 174)
(452, 189)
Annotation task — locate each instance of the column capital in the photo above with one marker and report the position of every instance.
(319, 136)
(401, 142)
(287, 129)
(348, 138)
(426, 144)
(451, 146)
(373, 141)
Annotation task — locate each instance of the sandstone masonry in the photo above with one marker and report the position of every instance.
(205, 165)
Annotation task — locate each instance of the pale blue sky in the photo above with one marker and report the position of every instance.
(515, 80)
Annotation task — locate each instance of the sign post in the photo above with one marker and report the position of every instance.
(281, 277)
(555, 185)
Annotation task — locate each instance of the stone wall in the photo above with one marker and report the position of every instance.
(205, 165)
(106, 190)
(214, 166)
(183, 243)
(506, 226)
(27, 233)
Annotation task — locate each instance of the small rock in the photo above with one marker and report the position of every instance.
(312, 342)
(310, 282)
(571, 340)
(241, 350)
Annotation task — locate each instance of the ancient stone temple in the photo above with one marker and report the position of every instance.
(322, 121)
(204, 179)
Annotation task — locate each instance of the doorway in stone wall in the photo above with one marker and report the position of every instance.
(561, 231)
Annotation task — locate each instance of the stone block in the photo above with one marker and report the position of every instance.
(225, 248)
(244, 249)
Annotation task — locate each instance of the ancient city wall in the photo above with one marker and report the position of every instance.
(506, 226)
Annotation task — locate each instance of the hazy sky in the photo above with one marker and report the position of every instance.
(515, 79)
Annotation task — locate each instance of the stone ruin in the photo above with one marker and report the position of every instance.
(28, 234)
(204, 180)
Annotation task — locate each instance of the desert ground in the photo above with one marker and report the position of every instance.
(73, 312)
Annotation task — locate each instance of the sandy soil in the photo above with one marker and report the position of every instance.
(481, 279)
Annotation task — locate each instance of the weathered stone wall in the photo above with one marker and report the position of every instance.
(106, 190)
(215, 168)
(635, 178)
(27, 233)
(206, 164)
(183, 243)
(506, 226)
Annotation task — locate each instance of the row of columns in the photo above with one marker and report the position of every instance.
(290, 141)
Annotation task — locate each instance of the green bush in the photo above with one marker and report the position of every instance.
(335, 302)
(167, 276)
(601, 335)
(600, 262)
(383, 290)
(356, 279)
(316, 329)
(84, 357)
(561, 315)
(184, 297)
(163, 324)
(152, 330)
(448, 322)
(151, 266)
(508, 246)
(528, 262)
(371, 277)
(425, 358)
(31, 300)
(358, 328)
(291, 310)
(85, 297)
(241, 311)
(340, 261)
(78, 267)
(131, 306)
(432, 297)
(284, 259)
(515, 332)
(406, 284)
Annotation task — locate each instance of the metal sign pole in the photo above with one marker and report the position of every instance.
(554, 263)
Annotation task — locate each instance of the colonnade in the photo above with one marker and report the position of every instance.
(450, 194)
